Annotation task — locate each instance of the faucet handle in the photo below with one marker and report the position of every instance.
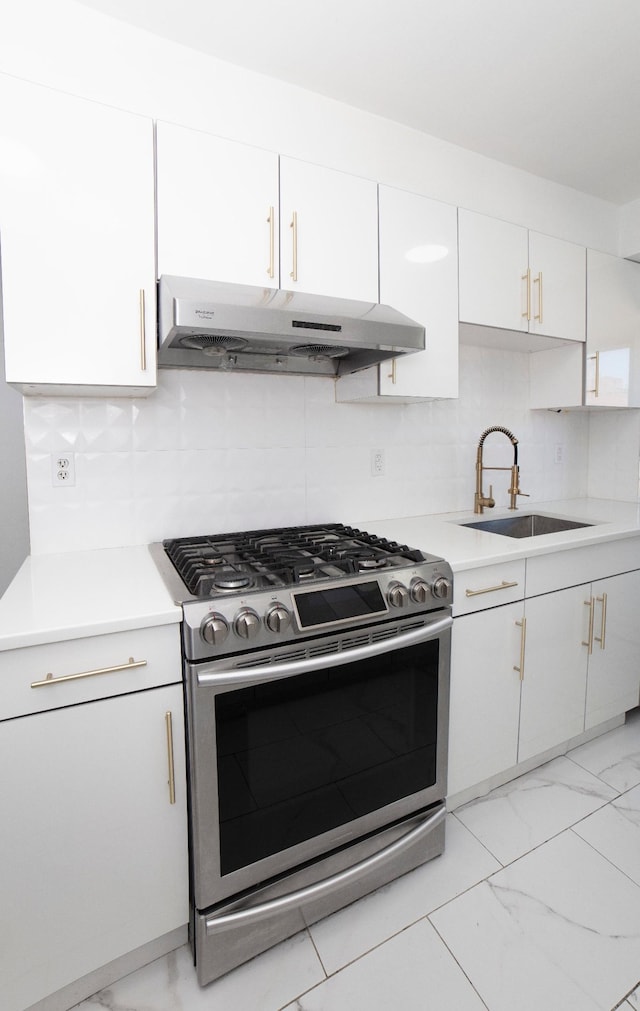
(489, 501)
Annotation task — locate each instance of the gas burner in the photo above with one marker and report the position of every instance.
(365, 564)
(232, 581)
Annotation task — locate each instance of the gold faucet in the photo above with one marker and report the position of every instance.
(482, 501)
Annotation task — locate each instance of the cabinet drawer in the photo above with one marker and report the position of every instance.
(556, 571)
(488, 586)
(112, 664)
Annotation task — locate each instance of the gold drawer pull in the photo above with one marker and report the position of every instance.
(603, 624)
(490, 589)
(172, 775)
(51, 680)
(589, 641)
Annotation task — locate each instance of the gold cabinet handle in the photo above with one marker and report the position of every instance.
(172, 776)
(272, 243)
(51, 680)
(603, 622)
(589, 643)
(489, 589)
(294, 228)
(527, 278)
(538, 280)
(392, 375)
(143, 334)
(522, 625)
(596, 388)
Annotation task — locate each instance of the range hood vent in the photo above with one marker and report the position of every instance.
(240, 328)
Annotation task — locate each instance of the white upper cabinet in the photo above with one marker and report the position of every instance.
(217, 208)
(607, 373)
(328, 232)
(76, 235)
(514, 279)
(419, 277)
(612, 376)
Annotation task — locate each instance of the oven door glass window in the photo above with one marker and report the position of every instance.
(307, 754)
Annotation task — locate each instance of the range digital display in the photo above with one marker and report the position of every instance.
(322, 607)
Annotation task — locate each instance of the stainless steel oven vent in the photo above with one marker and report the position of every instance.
(318, 351)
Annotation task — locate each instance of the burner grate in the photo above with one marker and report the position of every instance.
(232, 563)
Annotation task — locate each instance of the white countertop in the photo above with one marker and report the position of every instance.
(80, 593)
(465, 548)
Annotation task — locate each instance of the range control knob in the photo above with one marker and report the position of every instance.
(278, 618)
(419, 590)
(214, 629)
(441, 587)
(246, 624)
(398, 595)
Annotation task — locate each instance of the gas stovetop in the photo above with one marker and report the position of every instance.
(263, 559)
(248, 590)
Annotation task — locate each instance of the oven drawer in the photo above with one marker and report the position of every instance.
(488, 586)
(38, 678)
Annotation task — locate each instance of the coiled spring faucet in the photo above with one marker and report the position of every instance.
(482, 501)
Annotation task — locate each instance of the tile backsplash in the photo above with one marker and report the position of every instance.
(212, 452)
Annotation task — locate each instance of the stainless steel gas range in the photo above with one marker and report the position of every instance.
(316, 670)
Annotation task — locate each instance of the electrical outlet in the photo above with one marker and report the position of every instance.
(63, 470)
(377, 462)
(558, 456)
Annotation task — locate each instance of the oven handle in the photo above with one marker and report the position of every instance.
(325, 887)
(275, 672)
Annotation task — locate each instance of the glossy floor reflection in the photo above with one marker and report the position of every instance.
(534, 905)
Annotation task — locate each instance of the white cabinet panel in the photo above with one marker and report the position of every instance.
(329, 232)
(93, 857)
(217, 208)
(558, 287)
(614, 666)
(76, 234)
(494, 259)
(555, 670)
(612, 373)
(485, 695)
(419, 277)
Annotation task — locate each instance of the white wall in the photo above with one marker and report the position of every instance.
(216, 452)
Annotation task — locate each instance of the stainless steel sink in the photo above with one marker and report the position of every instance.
(529, 525)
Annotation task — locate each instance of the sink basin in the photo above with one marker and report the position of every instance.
(529, 525)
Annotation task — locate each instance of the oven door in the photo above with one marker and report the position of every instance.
(298, 751)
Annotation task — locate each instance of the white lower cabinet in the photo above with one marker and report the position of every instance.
(613, 684)
(93, 852)
(485, 695)
(529, 676)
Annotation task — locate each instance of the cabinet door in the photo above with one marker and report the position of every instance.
(558, 287)
(613, 684)
(493, 257)
(555, 670)
(76, 234)
(328, 232)
(217, 208)
(485, 695)
(419, 277)
(93, 857)
(613, 331)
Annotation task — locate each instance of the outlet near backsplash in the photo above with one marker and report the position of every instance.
(216, 452)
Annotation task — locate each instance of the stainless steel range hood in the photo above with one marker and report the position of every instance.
(240, 328)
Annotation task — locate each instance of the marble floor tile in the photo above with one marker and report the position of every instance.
(614, 757)
(514, 818)
(614, 831)
(411, 972)
(345, 935)
(559, 928)
(169, 984)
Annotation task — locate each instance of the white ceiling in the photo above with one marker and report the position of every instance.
(551, 86)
